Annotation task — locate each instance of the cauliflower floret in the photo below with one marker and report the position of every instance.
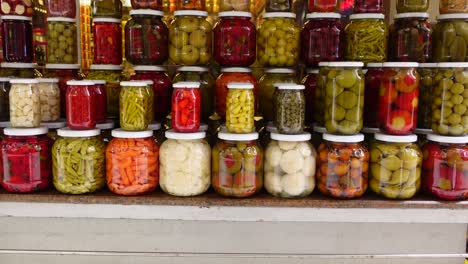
(294, 184)
(291, 162)
(309, 167)
(285, 145)
(273, 183)
(273, 156)
(305, 149)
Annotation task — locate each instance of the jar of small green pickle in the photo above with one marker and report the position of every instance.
(106, 130)
(426, 87)
(290, 105)
(78, 159)
(62, 44)
(17, 70)
(136, 105)
(451, 38)
(404, 6)
(106, 8)
(4, 99)
(240, 108)
(112, 74)
(53, 127)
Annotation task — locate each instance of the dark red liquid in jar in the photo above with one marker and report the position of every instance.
(371, 102)
(17, 41)
(100, 97)
(186, 110)
(81, 107)
(368, 6)
(107, 42)
(61, 8)
(64, 76)
(147, 4)
(310, 84)
(323, 5)
(17, 7)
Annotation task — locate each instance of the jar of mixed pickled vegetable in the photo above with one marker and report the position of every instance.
(234, 5)
(49, 93)
(17, 70)
(395, 166)
(323, 6)
(310, 83)
(61, 8)
(240, 108)
(191, 5)
(100, 98)
(62, 44)
(278, 6)
(106, 8)
(17, 39)
(289, 105)
(427, 71)
(78, 159)
(453, 6)
(53, 127)
(25, 103)
(17, 7)
(107, 35)
(112, 74)
(136, 105)
(404, 6)
(80, 104)
(4, 99)
(147, 4)
(371, 102)
(450, 38)
(368, 6)
(186, 107)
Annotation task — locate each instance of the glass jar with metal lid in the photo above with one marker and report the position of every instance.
(136, 105)
(240, 108)
(81, 105)
(186, 104)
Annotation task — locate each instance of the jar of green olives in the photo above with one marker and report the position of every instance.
(62, 44)
(136, 105)
(451, 38)
(240, 108)
(112, 74)
(404, 6)
(289, 107)
(427, 71)
(106, 8)
(17, 70)
(278, 5)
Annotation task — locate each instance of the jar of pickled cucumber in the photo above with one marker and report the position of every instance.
(190, 38)
(289, 101)
(190, 5)
(107, 35)
(323, 6)
(453, 6)
(371, 94)
(136, 105)
(49, 93)
(147, 4)
(81, 105)
(106, 8)
(234, 5)
(106, 128)
(404, 6)
(278, 40)
(368, 6)
(25, 104)
(17, 7)
(112, 74)
(278, 5)
(61, 8)
(5, 99)
(62, 44)
(53, 127)
(240, 108)
(78, 159)
(450, 38)
(366, 38)
(395, 166)
(344, 98)
(237, 165)
(186, 104)
(17, 70)
(343, 166)
(65, 73)
(427, 71)
(17, 39)
(310, 83)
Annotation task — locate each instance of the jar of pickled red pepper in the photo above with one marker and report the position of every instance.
(289, 101)
(240, 108)
(112, 74)
(395, 166)
(106, 8)
(17, 70)
(100, 97)
(62, 44)
(61, 8)
(5, 99)
(398, 102)
(278, 40)
(25, 103)
(49, 93)
(319, 105)
(190, 5)
(190, 38)
(106, 130)
(186, 104)
(234, 5)
(278, 5)
(17, 7)
(80, 103)
(78, 159)
(404, 6)
(310, 83)
(366, 38)
(237, 165)
(453, 6)
(147, 4)
(343, 166)
(323, 6)
(450, 44)
(235, 39)
(427, 71)
(136, 105)
(322, 38)
(368, 6)
(53, 127)
(371, 94)
(107, 36)
(17, 39)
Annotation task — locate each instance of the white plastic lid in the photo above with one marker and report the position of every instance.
(4, 124)
(186, 85)
(370, 130)
(318, 15)
(280, 70)
(323, 64)
(108, 67)
(235, 14)
(54, 125)
(135, 83)
(149, 68)
(320, 130)
(100, 82)
(148, 12)
(171, 134)
(154, 126)
(356, 64)
(203, 127)
(344, 139)
(428, 65)
(24, 18)
(240, 85)
(24, 81)
(279, 14)
(57, 66)
(238, 137)
(108, 124)
(400, 65)
(449, 140)
(120, 133)
(412, 14)
(374, 65)
(67, 132)
(18, 65)
(148, 82)
(9, 131)
(48, 80)
(452, 16)
(422, 131)
(236, 69)
(107, 20)
(290, 86)
(396, 139)
(190, 13)
(452, 65)
(271, 128)
(313, 70)
(291, 138)
(192, 69)
(5, 79)
(367, 16)
(80, 82)
(61, 19)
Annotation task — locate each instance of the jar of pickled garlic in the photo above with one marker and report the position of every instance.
(4, 99)
(404, 6)
(237, 165)
(322, 38)
(61, 8)
(371, 94)
(147, 4)
(78, 159)
(427, 71)
(323, 6)
(81, 105)
(49, 93)
(366, 38)
(25, 103)
(62, 44)
(234, 5)
(185, 164)
(319, 104)
(278, 40)
(310, 83)
(136, 105)
(26, 160)
(107, 36)
(395, 166)
(190, 38)
(100, 98)
(106, 128)
(17, 39)
(368, 6)
(106, 8)
(112, 74)
(453, 6)
(398, 102)
(289, 101)
(278, 5)
(65, 73)
(444, 167)
(17, 7)
(190, 5)
(17, 70)
(53, 127)
(186, 104)
(450, 44)
(240, 108)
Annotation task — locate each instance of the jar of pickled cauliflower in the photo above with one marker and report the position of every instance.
(65, 73)
(186, 104)
(25, 103)
(240, 108)
(49, 93)
(62, 44)
(371, 94)
(17, 39)
(310, 83)
(289, 104)
(81, 105)
(112, 74)
(107, 35)
(106, 8)
(427, 71)
(453, 6)
(136, 105)
(4, 99)
(450, 44)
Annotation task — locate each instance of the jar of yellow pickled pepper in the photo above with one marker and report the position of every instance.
(240, 108)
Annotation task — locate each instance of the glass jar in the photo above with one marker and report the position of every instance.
(146, 38)
(107, 36)
(49, 93)
(185, 164)
(343, 166)
(290, 103)
(444, 165)
(404, 6)
(395, 166)
(310, 83)
(371, 94)
(112, 74)
(136, 105)
(322, 38)
(190, 5)
(186, 104)
(4, 99)
(17, 39)
(450, 44)
(78, 159)
(237, 165)
(53, 127)
(147, 4)
(235, 39)
(427, 71)
(26, 160)
(411, 38)
(278, 5)
(65, 73)
(323, 6)
(81, 105)
(132, 165)
(344, 98)
(278, 40)
(62, 41)
(290, 166)
(398, 102)
(234, 5)
(61, 8)
(366, 38)
(190, 38)
(106, 130)
(17, 7)
(17, 70)
(453, 6)
(106, 8)
(25, 104)
(100, 99)
(368, 6)
(240, 108)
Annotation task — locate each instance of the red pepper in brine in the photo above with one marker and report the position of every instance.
(81, 105)
(186, 107)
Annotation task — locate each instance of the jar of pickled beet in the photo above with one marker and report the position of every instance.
(17, 70)
(136, 105)
(427, 71)
(323, 6)
(25, 104)
(278, 40)
(147, 4)
(100, 97)
(106, 8)
(112, 74)
(240, 108)
(49, 93)
(310, 83)
(235, 39)
(62, 44)
(371, 94)
(368, 6)
(398, 102)
(107, 36)
(322, 38)
(290, 103)
(17, 7)
(5, 99)
(453, 6)
(404, 6)
(343, 166)
(186, 106)
(17, 39)
(278, 5)
(395, 166)
(449, 38)
(53, 127)
(61, 8)
(80, 103)
(234, 5)
(319, 104)
(190, 5)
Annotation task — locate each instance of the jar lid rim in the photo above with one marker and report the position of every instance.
(452, 65)
(81, 82)
(238, 137)
(136, 83)
(374, 65)
(422, 131)
(61, 19)
(24, 81)
(367, 16)
(428, 65)
(370, 130)
(289, 86)
(279, 15)
(55, 124)
(234, 14)
(59, 66)
(171, 134)
(190, 13)
(19, 65)
(193, 69)
(108, 124)
(100, 82)
(345, 64)
(154, 126)
(5, 79)
(48, 80)
(447, 139)
(291, 138)
(314, 15)
(67, 132)
(149, 68)
(396, 139)
(107, 19)
(312, 70)
(240, 85)
(280, 70)
(452, 16)
(110, 67)
(343, 139)
(186, 85)
(236, 69)
(120, 133)
(13, 17)
(320, 129)
(400, 64)
(149, 12)
(11, 131)
(412, 15)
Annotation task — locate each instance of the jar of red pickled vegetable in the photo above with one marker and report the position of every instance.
(17, 7)
(107, 35)
(65, 73)
(17, 70)
(235, 39)
(398, 103)
(444, 166)
(368, 6)
(61, 8)
(186, 107)
(100, 97)
(106, 8)
(324, 6)
(26, 160)
(147, 4)
(322, 38)
(4, 99)
(17, 39)
(371, 94)
(112, 74)
(310, 83)
(190, 5)
(81, 105)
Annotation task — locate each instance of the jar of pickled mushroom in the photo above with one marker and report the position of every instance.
(61, 8)
(323, 6)
(395, 166)
(17, 70)
(310, 83)
(4, 99)
(450, 99)
(289, 105)
(290, 165)
(100, 99)
(81, 105)
(453, 6)
(107, 35)
(112, 74)
(190, 5)
(190, 38)
(136, 105)
(343, 166)
(106, 8)
(427, 71)
(185, 164)
(450, 43)
(237, 165)
(322, 38)
(240, 108)
(17, 39)
(62, 44)
(366, 38)
(368, 6)
(65, 73)
(78, 159)
(186, 104)
(49, 93)
(404, 6)
(147, 4)
(17, 7)
(53, 127)
(398, 102)
(344, 98)
(278, 5)
(234, 5)
(25, 104)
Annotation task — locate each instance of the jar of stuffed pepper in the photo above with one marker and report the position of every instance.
(62, 44)
(234, 5)
(5, 99)
(17, 7)
(237, 168)
(81, 105)
(107, 35)
(147, 4)
(106, 8)
(78, 159)
(190, 5)
(240, 108)
(17, 70)
(366, 38)
(398, 102)
(17, 39)
(190, 38)
(444, 167)
(310, 83)
(371, 94)
(53, 127)
(395, 166)
(61, 8)
(322, 38)
(65, 73)
(453, 6)
(427, 71)
(449, 38)
(343, 166)
(368, 6)
(278, 6)
(404, 6)
(49, 93)
(136, 105)
(323, 6)
(112, 74)
(25, 103)
(186, 104)
(289, 105)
